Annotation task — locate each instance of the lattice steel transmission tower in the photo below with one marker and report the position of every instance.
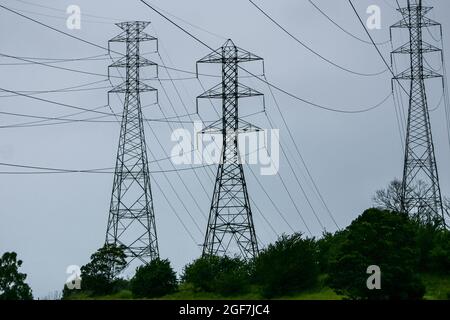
(131, 217)
(421, 195)
(230, 228)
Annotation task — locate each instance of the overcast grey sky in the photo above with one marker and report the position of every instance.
(53, 221)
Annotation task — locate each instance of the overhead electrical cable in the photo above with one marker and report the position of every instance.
(312, 50)
(341, 28)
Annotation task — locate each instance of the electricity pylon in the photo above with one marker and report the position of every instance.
(421, 194)
(230, 228)
(131, 217)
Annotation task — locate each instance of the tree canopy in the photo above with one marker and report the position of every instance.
(12, 282)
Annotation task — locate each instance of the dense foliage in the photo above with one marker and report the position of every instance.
(222, 275)
(407, 251)
(12, 282)
(288, 266)
(153, 280)
(385, 239)
(100, 275)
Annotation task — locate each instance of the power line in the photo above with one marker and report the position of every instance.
(376, 47)
(312, 50)
(206, 45)
(55, 29)
(193, 25)
(56, 17)
(438, 104)
(311, 103)
(55, 60)
(271, 200)
(177, 25)
(203, 43)
(268, 83)
(82, 71)
(398, 105)
(175, 212)
(341, 28)
(77, 38)
(60, 10)
(65, 89)
(89, 120)
(93, 58)
(54, 102)
(308, 201)
(302, 159)
(200, 41)
(94, 110)
(47, 170)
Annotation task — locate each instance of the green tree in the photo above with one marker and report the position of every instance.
(425, 242)
(153, 280)
(286, 267)
(385, 239)
(327, 249)
(221, 275)
(12, 282)
(440, 253)
(100, 275)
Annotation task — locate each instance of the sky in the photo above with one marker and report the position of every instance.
(56, 220)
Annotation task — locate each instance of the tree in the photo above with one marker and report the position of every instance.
(385, 239)
(434, 245)
(327, 249)
(221, 275)
(389, 198)
(100, 275)
(153, 280)
(440, 254)
(12, 282)
(286, 267)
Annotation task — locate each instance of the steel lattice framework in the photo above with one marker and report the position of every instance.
(421, 195)
(230, 228)
(131, 217)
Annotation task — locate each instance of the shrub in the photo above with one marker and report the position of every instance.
(286, 267)
(153, 280)
(221, 275)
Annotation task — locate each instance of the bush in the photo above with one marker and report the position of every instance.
(221, 275)
(286, 267)
(153, 280)
(381, 238)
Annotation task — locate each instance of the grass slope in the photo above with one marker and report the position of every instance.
(437, 288)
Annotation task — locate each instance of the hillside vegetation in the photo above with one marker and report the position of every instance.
(413, 259)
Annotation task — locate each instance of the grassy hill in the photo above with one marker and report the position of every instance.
(437, 288)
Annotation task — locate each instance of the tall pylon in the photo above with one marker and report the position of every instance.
(421, 194)
(131, 220)
(230, 229)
